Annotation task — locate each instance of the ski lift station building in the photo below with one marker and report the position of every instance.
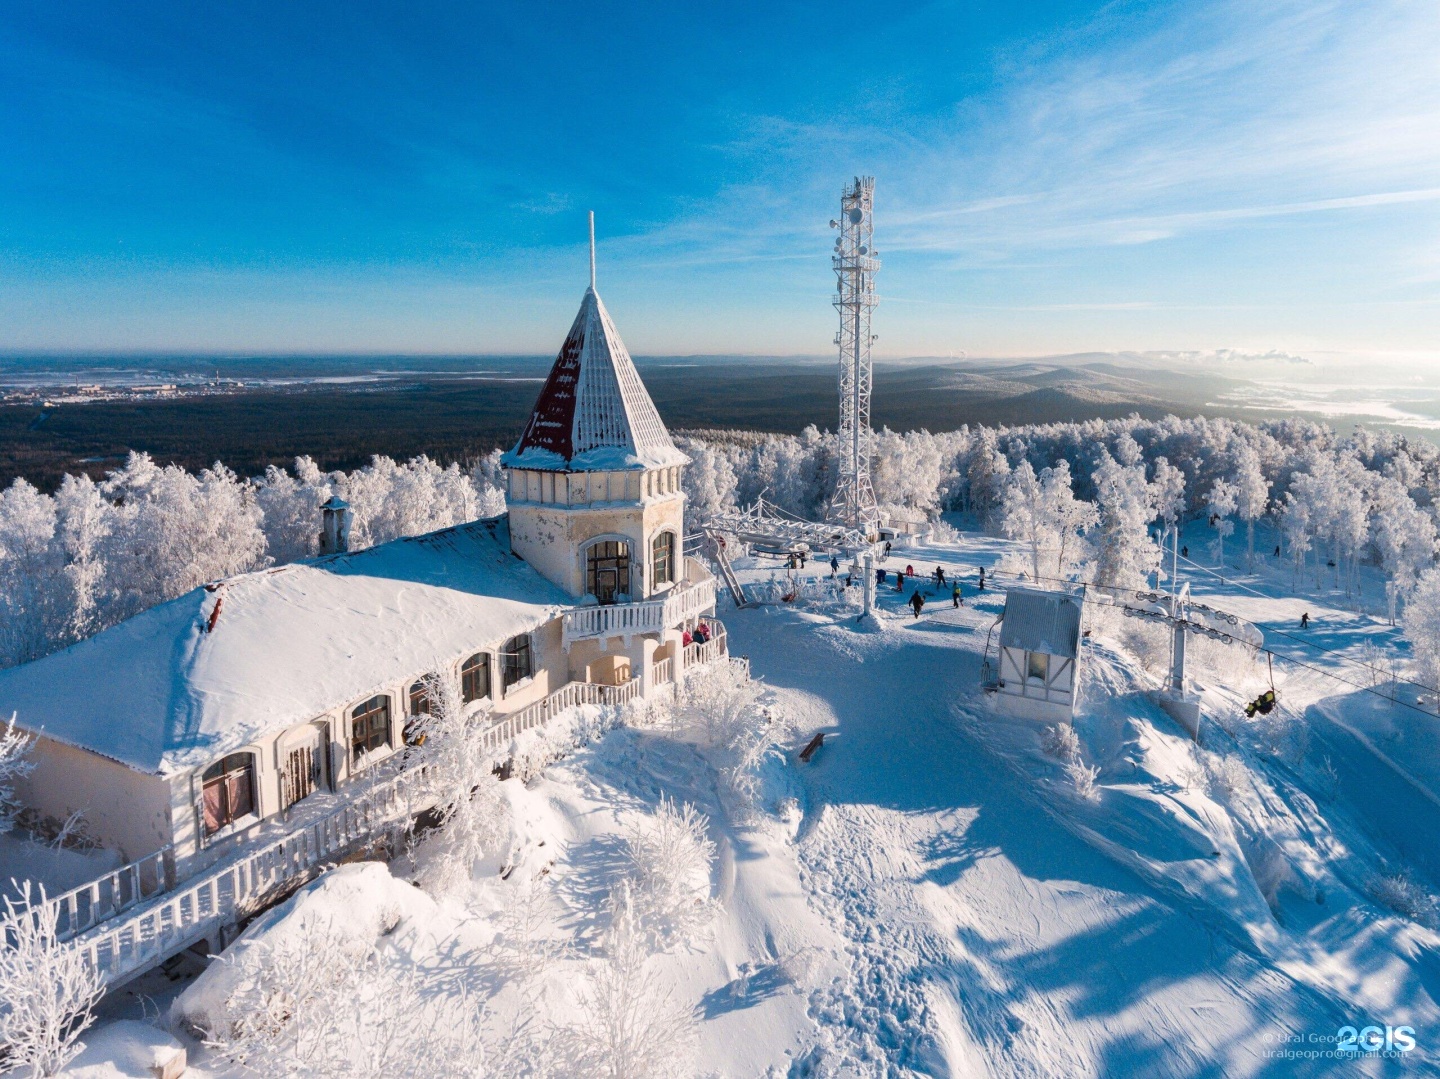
(1039, 654)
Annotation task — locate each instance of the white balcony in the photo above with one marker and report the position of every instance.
(692, 597)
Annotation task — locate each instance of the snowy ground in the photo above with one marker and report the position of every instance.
(940, 899)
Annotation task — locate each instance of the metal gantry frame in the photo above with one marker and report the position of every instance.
(855, 265)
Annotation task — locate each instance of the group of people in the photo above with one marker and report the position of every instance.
(700, 635)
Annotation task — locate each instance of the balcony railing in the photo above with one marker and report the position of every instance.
(683, 602)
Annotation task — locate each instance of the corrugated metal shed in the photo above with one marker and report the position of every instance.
(1037, 620)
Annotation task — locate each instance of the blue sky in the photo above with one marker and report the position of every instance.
(1051, 177)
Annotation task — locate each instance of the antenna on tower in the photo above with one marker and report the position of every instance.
(855, 267)
(592, 249)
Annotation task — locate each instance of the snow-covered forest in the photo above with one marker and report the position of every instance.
(1088, 500)
(93, 554)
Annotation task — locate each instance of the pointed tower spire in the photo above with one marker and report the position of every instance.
(594, 413)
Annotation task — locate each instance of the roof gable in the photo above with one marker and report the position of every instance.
(593, 413)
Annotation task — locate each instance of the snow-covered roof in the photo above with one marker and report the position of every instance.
(165, 690)
(1041, 621)
(594, 414)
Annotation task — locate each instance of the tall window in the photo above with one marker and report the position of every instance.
(515, 662)
(662, 559)
(229, 791)
(419, 709)
(607, 570)
(475, 677)
(369, 726)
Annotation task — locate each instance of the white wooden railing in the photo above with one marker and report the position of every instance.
(681, 603)
(664, 671)
(91, 903)
(710, 650)
(124, 946)
(135, 917)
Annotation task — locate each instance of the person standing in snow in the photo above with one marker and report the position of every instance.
(899, 581)
(879, 574)
(916, 602)
(955, 594)
(834, 565)
(982, 578)
(909, 571)
(940, 576)
(1305, 620)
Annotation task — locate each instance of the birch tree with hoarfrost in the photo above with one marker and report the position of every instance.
(1219, 505)
(1126, 554)
(1252, 494)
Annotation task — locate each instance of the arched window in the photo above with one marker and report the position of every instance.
(475, 677)
(419, 708)
(662, 559)
(228, 791)
(369, 726)
(515, 660)
(607, 570)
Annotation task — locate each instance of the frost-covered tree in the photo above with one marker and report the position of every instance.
(909, 473)
(1070, 517)
(174, 530)
(15, 764)
(83, 523)
(1126, 554)
(1294, 518)
(1219, 505)
(1405, 541)
(48, 989)
(459, 775)
(1422, 627)
(290, 509)
(988, 474)
(631, 1025)
(669, 858)
(1252, 494)
(709, 481)
(325, 1007)
(1023, 516)
(32, 608)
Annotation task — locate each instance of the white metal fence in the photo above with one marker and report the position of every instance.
(684, 602)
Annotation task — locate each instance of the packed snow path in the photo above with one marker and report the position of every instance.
(986, 938)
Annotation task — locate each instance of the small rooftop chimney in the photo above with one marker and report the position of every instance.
(335, 529)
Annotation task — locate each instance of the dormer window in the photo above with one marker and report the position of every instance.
(662, 559)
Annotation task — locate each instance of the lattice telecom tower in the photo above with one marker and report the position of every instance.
(855, 268)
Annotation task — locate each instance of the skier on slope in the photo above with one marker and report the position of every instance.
(982, 578)
(940, 576)
(1305, 620)
(916, 602)
(955, 596)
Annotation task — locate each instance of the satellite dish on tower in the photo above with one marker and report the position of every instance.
(856, 215)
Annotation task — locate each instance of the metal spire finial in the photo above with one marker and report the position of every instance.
(592, 249)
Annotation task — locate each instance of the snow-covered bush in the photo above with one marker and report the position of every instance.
(48, 990)
(1402, 893)
(324, 1007)
(525, 946)
(533, 750)
(15, 763)
(1083, 776)
(669, 858)
(1061, 741)
(1227, 774)
(630, 1024)
(725, 707)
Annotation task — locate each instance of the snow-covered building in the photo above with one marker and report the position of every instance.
(201, 718)
(1040, 643)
